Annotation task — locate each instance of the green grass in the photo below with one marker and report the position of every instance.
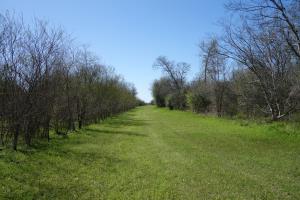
(152, 153)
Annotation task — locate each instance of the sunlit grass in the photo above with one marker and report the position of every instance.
(152, 153)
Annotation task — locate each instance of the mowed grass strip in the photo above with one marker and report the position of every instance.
(152, 153)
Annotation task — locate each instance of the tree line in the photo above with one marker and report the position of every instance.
(251, 70)
(49, 83)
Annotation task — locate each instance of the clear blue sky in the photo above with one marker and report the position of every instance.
(130, 34)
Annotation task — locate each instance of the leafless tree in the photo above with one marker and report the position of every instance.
(213, 62)
(48, 83)
(262, 50)
(177, 73)
(215, 71)
(284, 15)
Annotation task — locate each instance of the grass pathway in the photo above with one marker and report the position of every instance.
(152, 153)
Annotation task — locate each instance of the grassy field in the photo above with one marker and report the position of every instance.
(152, 153)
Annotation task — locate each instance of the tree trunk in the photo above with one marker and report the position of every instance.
(27, 135)
(79, 123)
(16, 136)
(71, 125)
(46, 129)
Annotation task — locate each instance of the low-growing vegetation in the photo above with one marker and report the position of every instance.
(73, 128)
(154, 153)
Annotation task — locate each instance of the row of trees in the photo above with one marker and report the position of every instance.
(252, 69)
(46, 82)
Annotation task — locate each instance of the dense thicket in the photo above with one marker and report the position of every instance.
(48, 83)
(253, 68)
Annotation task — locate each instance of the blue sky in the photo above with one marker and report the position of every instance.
(130, 34)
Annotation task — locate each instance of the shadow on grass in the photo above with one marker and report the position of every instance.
(59, 160)
(73, 150)
(57, 141)
(67, 147)
(285, 128)
(114, 132)
(127, 119)
(66, 157)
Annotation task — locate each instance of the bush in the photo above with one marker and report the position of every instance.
(176, 101)
(198, 101)
(160, 90)
(199, 98)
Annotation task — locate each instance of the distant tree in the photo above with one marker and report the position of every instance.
(215, 72)
(199, 97)
(177, 74)
(213, 63)
(160, 90)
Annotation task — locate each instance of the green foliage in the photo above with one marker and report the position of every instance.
(152, 153)
(176, 100)
(141, 102)
(199, 101)
(230, 100)
(170, 90)
(160, 90)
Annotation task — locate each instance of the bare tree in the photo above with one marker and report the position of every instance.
(262, 50)
(12, 94)
(284, 15)
(215, 71)
(45, 85)
(177, 73)
(213, 62)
